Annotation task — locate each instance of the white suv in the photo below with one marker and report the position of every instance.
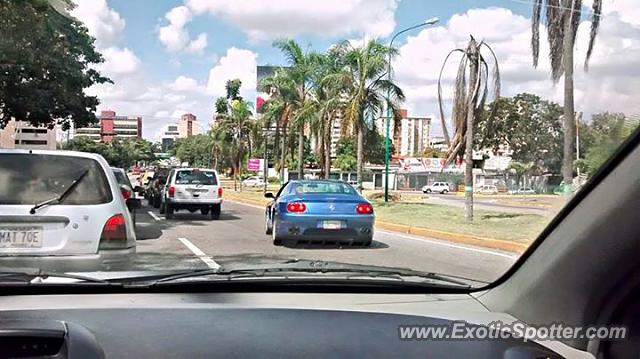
(62, 210)
(438, 187)
(192, 189)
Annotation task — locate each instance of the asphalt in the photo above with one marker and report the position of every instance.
(192, 241)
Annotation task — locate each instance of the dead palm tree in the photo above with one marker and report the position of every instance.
(468, 103)
(562, 20)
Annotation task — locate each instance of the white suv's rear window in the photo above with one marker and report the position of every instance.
(32, 178)
(196, 177)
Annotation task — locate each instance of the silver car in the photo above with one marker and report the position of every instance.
(61, 208)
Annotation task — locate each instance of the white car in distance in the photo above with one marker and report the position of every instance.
(253, 181)
(438, 187)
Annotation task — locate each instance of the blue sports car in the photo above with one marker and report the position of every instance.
(319, 211)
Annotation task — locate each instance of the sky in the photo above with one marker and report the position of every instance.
(171, 57)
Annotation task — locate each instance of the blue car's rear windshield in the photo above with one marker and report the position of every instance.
(321, 188)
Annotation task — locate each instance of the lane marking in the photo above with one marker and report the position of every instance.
(200, 254)
(246, 204)
(154, 216)
(421, 239)
(450, 245)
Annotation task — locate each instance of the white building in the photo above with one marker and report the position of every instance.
(168, 135)
(23, 135)
(412, 137)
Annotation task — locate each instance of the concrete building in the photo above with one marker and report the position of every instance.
(168, 136)
(412, 136)
(23, 135)
(188, 126)
(111, 126)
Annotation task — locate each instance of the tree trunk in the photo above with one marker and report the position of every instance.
(471, 112)
(360, 156)
(283, 152)
(568, 116)
(301, 153)
(327, 148)
(276, 145)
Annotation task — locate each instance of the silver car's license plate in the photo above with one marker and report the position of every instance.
(331, 224)
(20, 237)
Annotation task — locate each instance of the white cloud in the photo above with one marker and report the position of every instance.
(175, 36)
(610, 84)
(196, 46)
(184, 83)
(289, 18)
(236, 63)
(103, 23)
(119, 61)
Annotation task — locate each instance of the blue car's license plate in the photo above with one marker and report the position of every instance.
(331, 224)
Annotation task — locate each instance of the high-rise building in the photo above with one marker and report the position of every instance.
(23, 135)
(188, 126)
(111, 126)
(412, 136)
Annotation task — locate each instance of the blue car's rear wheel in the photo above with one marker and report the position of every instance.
(274, 233)
(267, 227)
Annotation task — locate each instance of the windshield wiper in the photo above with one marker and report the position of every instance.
(38, 276)
(305, 266)
(61, 197)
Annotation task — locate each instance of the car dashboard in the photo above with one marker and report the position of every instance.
(249, 325)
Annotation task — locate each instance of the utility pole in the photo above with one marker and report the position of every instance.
(265, 172)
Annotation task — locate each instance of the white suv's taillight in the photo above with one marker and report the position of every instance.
(114, 232)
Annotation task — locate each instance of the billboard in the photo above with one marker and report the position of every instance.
(255, 164)
(416, 164)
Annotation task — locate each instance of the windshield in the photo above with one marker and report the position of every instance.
(32, 178)
(436, 137)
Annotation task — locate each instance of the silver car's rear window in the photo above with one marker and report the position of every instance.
(34, 178)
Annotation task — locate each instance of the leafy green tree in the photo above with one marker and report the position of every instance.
(530, 126)
(47, 59)
(345, 155)
(603, 137)
(195, 150)
(119, 153)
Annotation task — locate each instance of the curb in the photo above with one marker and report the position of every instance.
(507, 246)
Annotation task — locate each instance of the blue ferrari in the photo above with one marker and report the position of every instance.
(319, 212)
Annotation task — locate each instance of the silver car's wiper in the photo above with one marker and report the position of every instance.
(38, 276)
(61, 197)
(351, 271)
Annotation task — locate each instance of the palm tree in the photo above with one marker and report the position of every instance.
(367, 91)
(301, 67)
(278, 109)
(563, 18)
(331, 83)
(468, 104)
(234, 130)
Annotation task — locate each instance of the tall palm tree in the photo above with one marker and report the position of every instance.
(563, 18)
(468, 104)
(234, 129)
(331, 84)
(367, 91)
(301, 67)
(278, 110)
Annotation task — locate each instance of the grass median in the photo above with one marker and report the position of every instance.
(522, 228)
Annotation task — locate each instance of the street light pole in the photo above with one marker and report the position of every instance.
(430, 21)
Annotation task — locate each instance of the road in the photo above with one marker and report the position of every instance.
(190, 240)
